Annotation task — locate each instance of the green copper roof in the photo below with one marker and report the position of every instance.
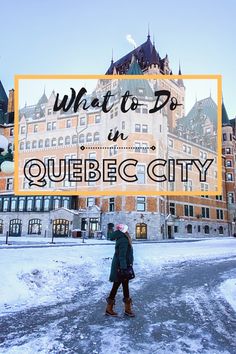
(225, 117)
(137, 87)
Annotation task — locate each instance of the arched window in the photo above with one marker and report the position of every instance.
(65, 202)
(1, 226)
(61, 227)
(34, 144)
(40, 143)
(47, 143)
(46, 203)
(34, 227)
(221, 230)
(38, 203)
(96, 136)
(81, 138)
(60, 140)
(141, 231)
(206, 229)
(56, 203)
(54, 142)
(74, 139)
(189, 228)
(27, 145)
(89, 138)
(22, 145)
(15, 227)
(67, 140)
(29, 203)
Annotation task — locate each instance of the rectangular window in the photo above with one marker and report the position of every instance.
(229, 177)
(228, 163)
(145, 109)
(231, 198)
(22, 130)
(137, 147)
(141, 204)
(68, 123)
(172, 208)
(111, 204)
(188, 186)
(145, 148)
(188, 210)
(90, 201)
(205, 212)
(97, 118)
(36, 128)
(82, 121)
(141, 174)
(144, 128)
(49, 126)
(219, 214)
(137, 128)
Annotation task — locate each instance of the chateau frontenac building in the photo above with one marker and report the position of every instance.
(148, 217)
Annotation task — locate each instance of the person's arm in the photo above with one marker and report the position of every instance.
(113, 236)
(122, 254)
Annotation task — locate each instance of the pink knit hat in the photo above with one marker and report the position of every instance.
(122, 227)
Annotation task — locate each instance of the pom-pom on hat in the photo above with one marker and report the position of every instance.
(122, 227)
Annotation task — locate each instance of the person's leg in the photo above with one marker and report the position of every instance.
(127, 300)
(114, 289)
(125, 285)
(111, 299)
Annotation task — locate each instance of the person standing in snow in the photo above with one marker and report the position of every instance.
(122, 259)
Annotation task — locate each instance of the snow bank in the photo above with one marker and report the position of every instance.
(228, 289)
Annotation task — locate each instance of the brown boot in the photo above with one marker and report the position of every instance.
(109, 308)
(128, 309)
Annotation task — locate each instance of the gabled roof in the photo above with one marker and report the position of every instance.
(3, 95)
(42, 100)
(225, 117)
(203, 110)
(145, 54)
(206, 106)
(3, 99)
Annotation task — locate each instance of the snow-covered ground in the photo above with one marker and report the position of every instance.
(30, 277)
(228, 289)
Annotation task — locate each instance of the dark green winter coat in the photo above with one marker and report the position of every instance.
(123, 254)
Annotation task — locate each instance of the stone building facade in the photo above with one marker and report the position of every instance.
(148, 217)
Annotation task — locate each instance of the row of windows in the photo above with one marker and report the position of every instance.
(53, 125)
(89, 138)
(206, 229)
(141, 128)
(189, 211)
(33, 203)
(188, 149)
(140, 204)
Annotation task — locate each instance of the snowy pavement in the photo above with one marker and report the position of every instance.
(53, 300)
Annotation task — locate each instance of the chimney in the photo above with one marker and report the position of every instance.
(11, 101)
